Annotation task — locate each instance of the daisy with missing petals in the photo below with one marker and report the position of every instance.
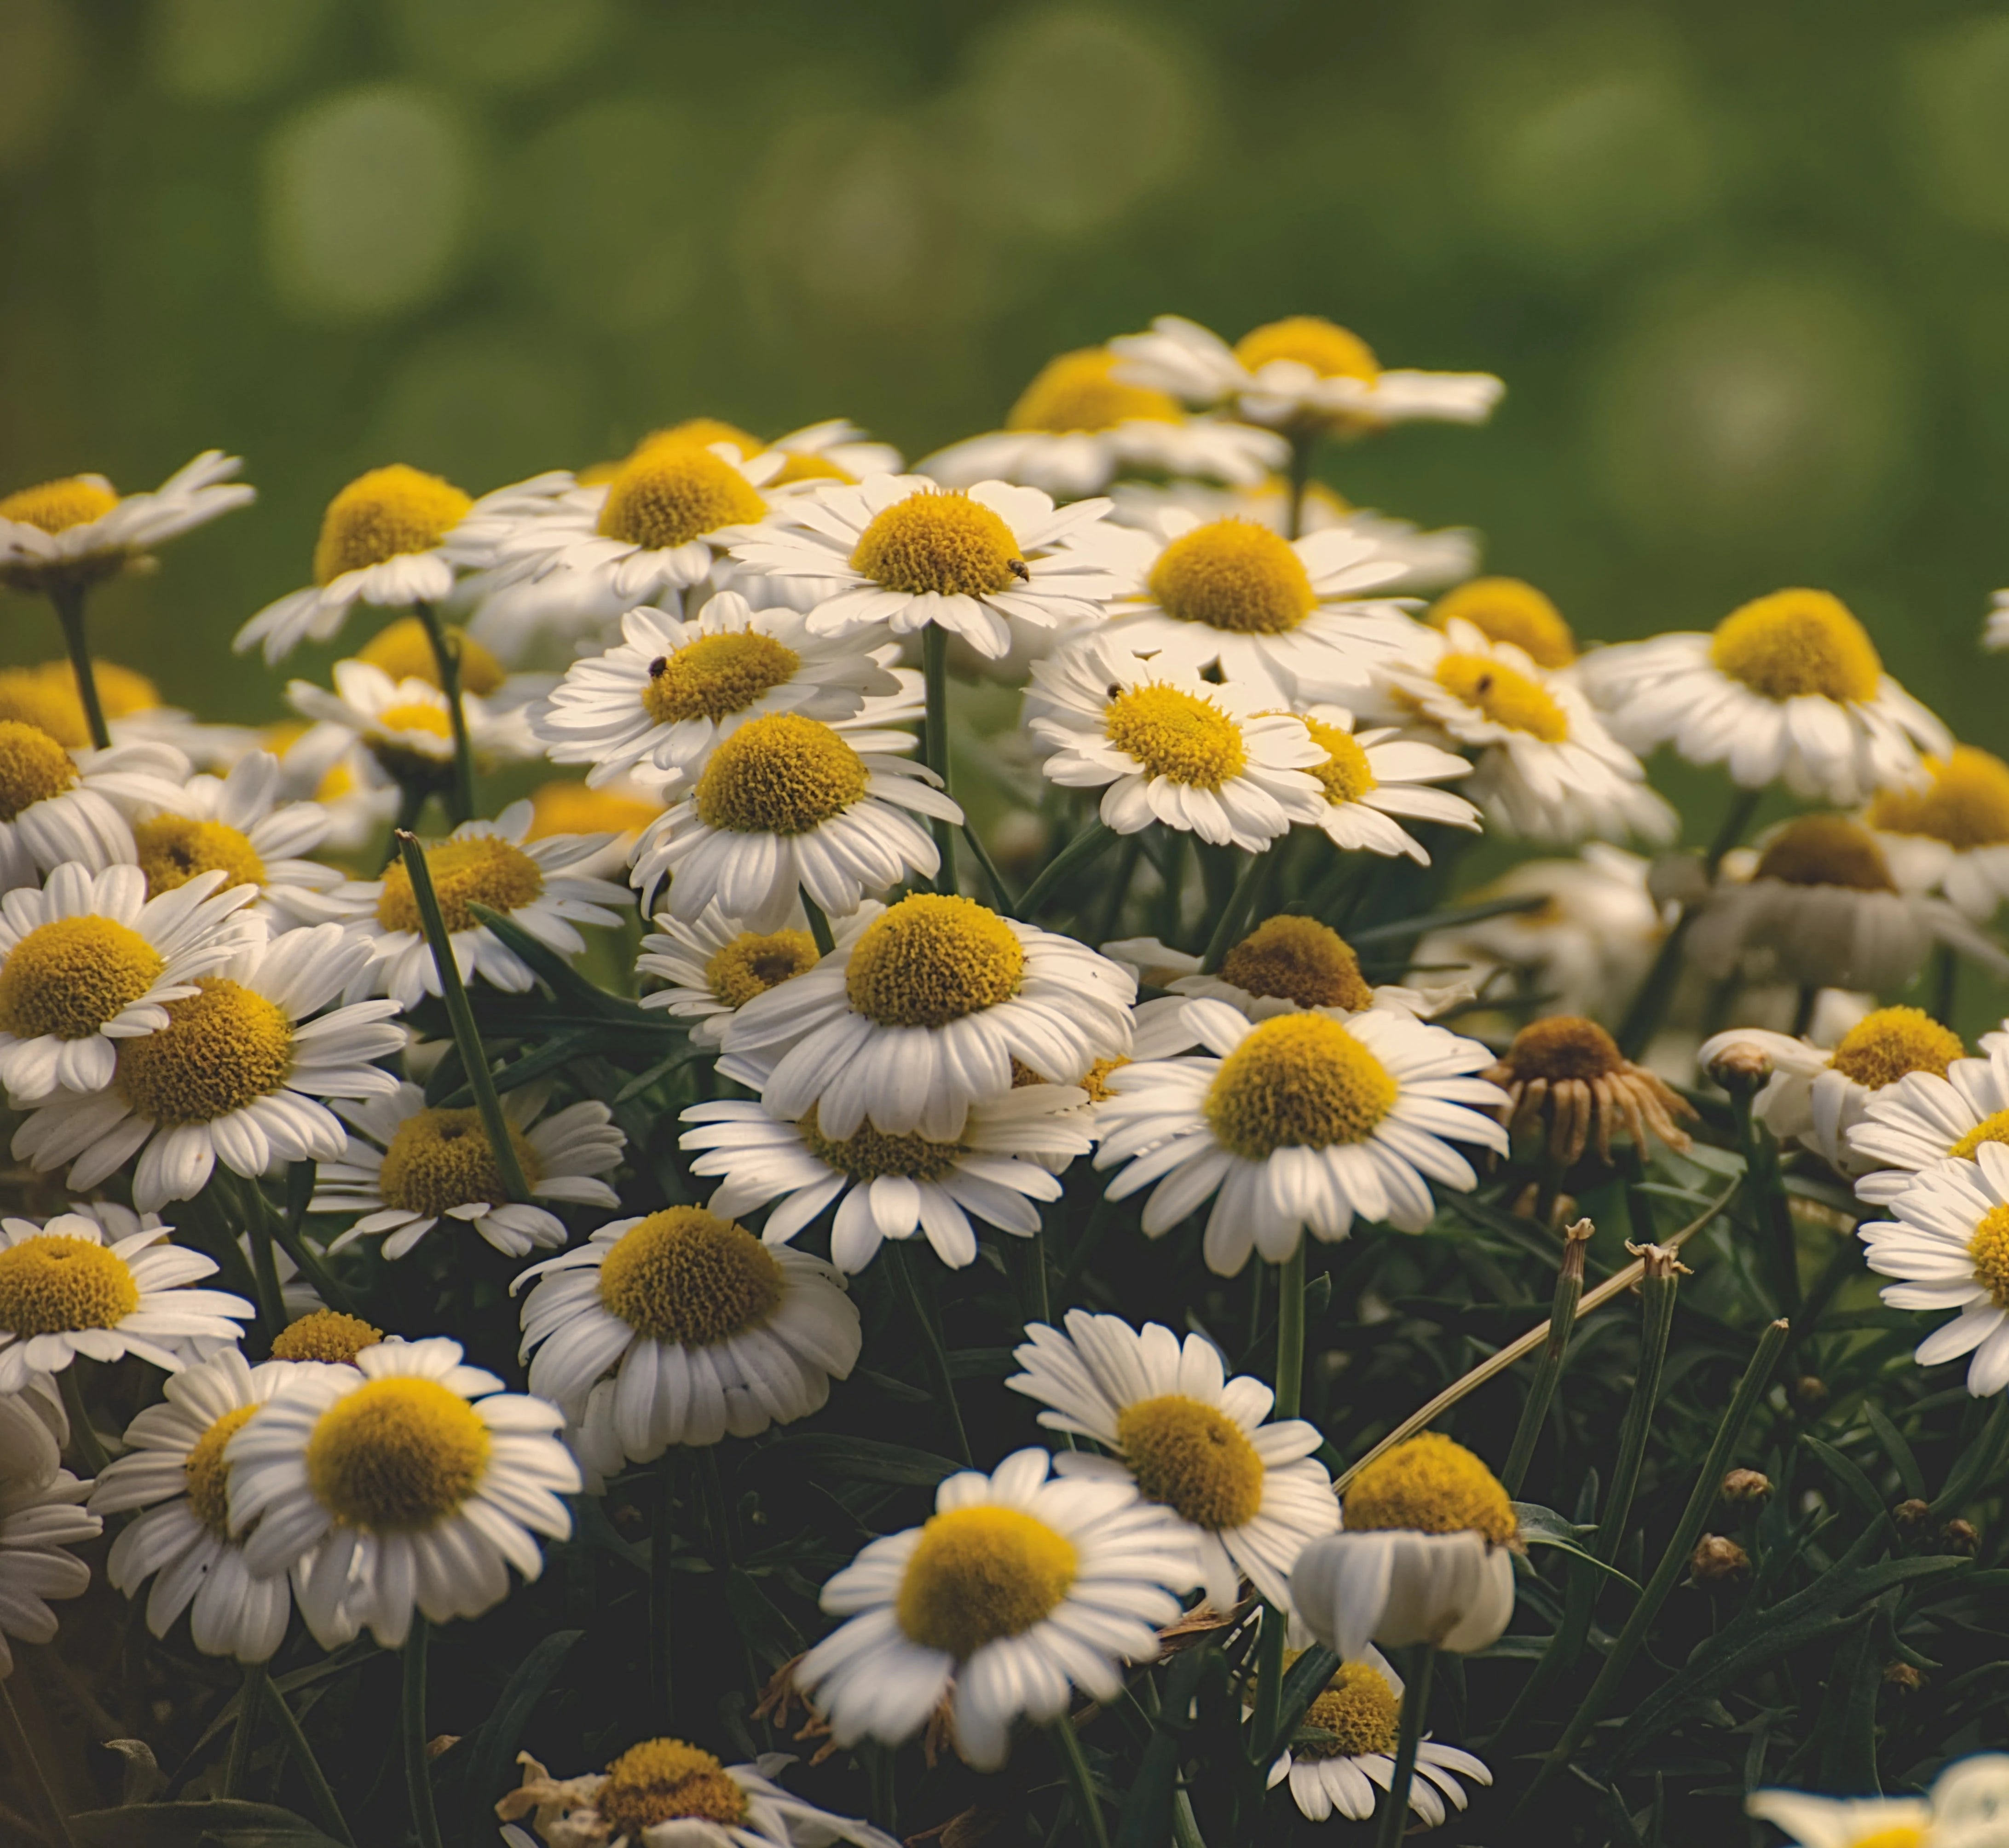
(1008, 1156)
(1016, 1591)
(236, 1075)
(714, 969)
(1566, 1082)
(1789, 687)
(40, 1518)
(1305, 1121)
(1369, 779)
(922, 1013)
(405, 1480)
(408, 1165)
(58, 805)
(80, 530)
(1953, 834)
(1249, 1494)
(706, 1330)
(1927, 1117)
(406, 724)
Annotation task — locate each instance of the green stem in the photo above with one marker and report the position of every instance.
(934, 742)
(244, 1734)
(446, 662)
(418, 1767)
(1100, 1216)
(826, 940)
(1302, 445)
(1290, 1394)
(327, 1811)
(1227, 926)
(1000, 889)
(661, 1630)
(1110, 911)
(1548, 1370)
(719, 1509)
(290, 1230)
(1416, 1667)
(1080, 1782)
(265, 1272)
(1946, 983)
(1172, 872)
(1076, 854)
(69, 600)
(23, 1748)
(931, 1340)
(411, 805)
(84, 1436)
(1768, 1191)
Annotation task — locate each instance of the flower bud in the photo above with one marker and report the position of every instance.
(1719, 1560)
(1961, 1537)
(1809, 1396)
(1903, 1677)
(1746, 1485)
(1911, 1514)
(1740, 1067)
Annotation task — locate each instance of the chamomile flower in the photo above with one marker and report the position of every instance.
(40, 1519)
(407, 1480)
(408, 1165)
(1567, 1082)
(834, 450)
(713, 968)
(1953, 833)
(1843, 1821)
(1016, 1591)
(236, 1075)
(707, 1331)
(406, 724)
(1305, 1121)
(326, 763)
(1927, 1117)
(81, 530)
(1787, 688)
(920, 1015)
(46, 695)
(67, 1290)
(58, 805)
(1509, 609)
(1249, 1493)
(892, 1187)
(1367, 779)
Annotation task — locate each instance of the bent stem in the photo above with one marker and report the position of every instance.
(931, 1340)
(1080, 1782)
(250, 1698)
(23, 1749)
(1548, 1370)
(1417, 1667)
(446, 662)
(69, 600)
(320, 1792)
(934, 743)
(418, 1767)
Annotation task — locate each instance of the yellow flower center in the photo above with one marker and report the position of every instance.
(422, 716)
(440, 1159)
(325, 1335)
(572, 808)
(1989, 1249)
(938, 541)
(780, 774)
(753, 962)
(1563, 1046)
(686, 1276)
(803, 466)
(1966, 805)
(1430, 1485)
(403, 650)
(1990, 1129)
(382, 515)
(1172, 733)
(173, 849)
(479, 870)
(223, 1048)
(1075, 391)
(1360, 1708)
(1826, 850)
(670, 492)
(45, 696)
(1330, 350)
(1297, 1081)
(397, 1456)
(56, 506)
(1506, 609)
(716, 676)
(54, 1284)
(1290, 958)
(34, 767)
(203, 1470)
(1095, 1081)
(980, 1574)
(1796, 643)
(1192, 1459)
(1903, 1835)
(868, 1153)
(664, 1780)
(70, 976)
(1234, 575)
(1345, 772)
(1883, 1046)
(930, 960)
(701, 433)
(1504, 694)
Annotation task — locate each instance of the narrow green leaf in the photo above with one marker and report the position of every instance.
(1147, 1817)
(865, 1459)
(222, 1823)
(565, 982)
(493, 1749)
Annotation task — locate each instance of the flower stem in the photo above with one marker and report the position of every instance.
(1775, 1209)
(1064, 865)
(1290, 1394)
(819, 926)
(662, 1683)
(243, 1735)
(84, 1436)
(1080, 1782)
(1241, 901)
(287, 1229)
(23, 1748)
(418, 1767)
(1415, 1700)
(411, 805)
(446, 662)
(931, 1338)
(69, 600)
(319, 1791)
(1302, 444)
(1548, 1370)
(1000, 889)
(934, 742)
(264, 1272)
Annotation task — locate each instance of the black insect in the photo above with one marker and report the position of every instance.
(1017, 568)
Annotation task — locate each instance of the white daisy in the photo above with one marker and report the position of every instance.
(406, 724)
(1843, 1821)
(1789, 687)
(922, 1013)
(707, 1330)
(427, 1483)
(1368, 778)
(40, 1518)
(81, 529)
(328, 764)
(1953, 834)
(34, 1428)
(58, 805)
(1927, 1117)
(90, 961)
(892, 1187)
(834, 450)
(408, 1165)
(1306, 1120)
(713, 968)
(45, 694)
(1015, 1591)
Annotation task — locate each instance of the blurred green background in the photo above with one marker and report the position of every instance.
(1744, 263)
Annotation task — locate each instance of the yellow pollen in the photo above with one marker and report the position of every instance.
(382, 515)
(938, 541)
(1076, 392)
(572, 808)
(440, 1159)
(1966, 805)
(701, 433)
(980, 1574)
(46, 697)
(413, 715)
(173, 848)
(868, 1154)
(779, 774)
(478, 869)
(716, 675)
(1345, 772)
(325, 1335)
(1505, 695)
(686, 1276)
(1095, 1081)
(54, 1284)
(1903, 1835)
(670, 492)
(1430, 1485)
(1882, 1046)
(1796, 643)
(1191, 1459)
(1826, 850)
(69, 977)
(1183, 737)
(1507, 609)
(203, 1469)
(1990, 1129)
(34, 767)
(1360, 1708)
(1290, 958)
(1989, 1248)
(664, 1780)
(223, 1048)
(753, 962)
(403, 650)
(1563, 1046)
(1297, 1081)
(397, 1455)
(1234, 575)
(56, 506)
(930, 960)
(801, 466)
(1330, 350)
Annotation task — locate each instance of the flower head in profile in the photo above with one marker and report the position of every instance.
(406, 725)
(58, 805)
(1567, 1083)
(1844, 1821)
(1952, 834)
(1511, 610)
(42, 1518)
(713, 968)
(1371, 782)
(80, 530)
(1928, 1117)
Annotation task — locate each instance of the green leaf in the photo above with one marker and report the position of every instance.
(1543, 1526)
(1850, 1474)
(1303, 1682)
(1847, 1722)
(554, 1053)
(565, 983)
(660, 1069)
(493, 1748)
(1146, 1818)
(1440, 920)
(762, 1625)
(219, 1824)
(865, 1459)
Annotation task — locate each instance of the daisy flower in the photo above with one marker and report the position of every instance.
(714, 969)
(1306, 1120)
(1016, 1591)
(327, 764)
(892, 1187)
(65, 1290)
(406, 1479)
(40, 1518)
(81, 529)
(1369, 779)
(236, 1075)
(90, 961)
(921, 1014)
(45, 695)
(1843, 1821)
(407, 724)
(834, 450)
(1789, 687)
(1249, 1494)
(407, 1165)
(1566, 1079)
(902, 551)
(1953, 834)
(1509, 609)
(58, 805)
(1927, 1117)
(708, 1330)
